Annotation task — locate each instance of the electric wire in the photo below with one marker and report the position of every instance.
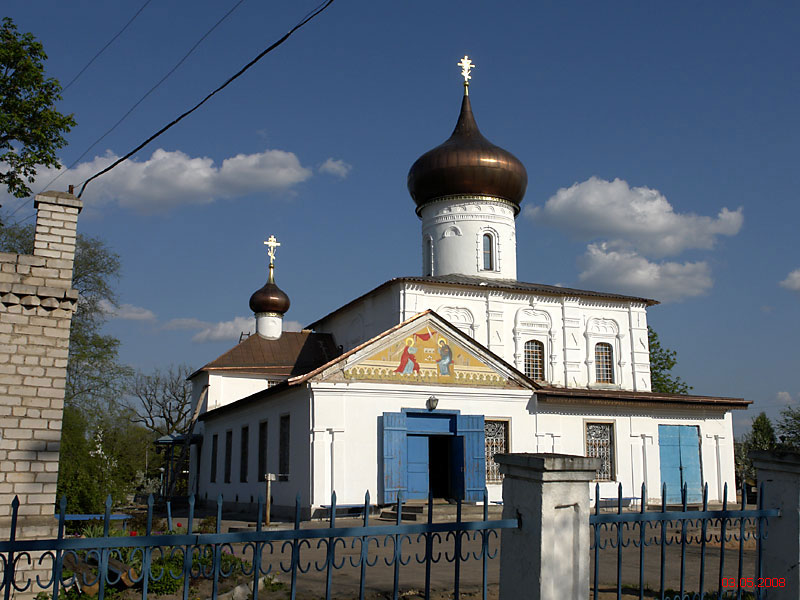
(103, 49)
(308, 17)
(140, 100)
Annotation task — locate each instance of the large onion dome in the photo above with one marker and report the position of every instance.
(467, 164)
(270, 298)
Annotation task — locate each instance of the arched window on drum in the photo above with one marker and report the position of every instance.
(488, 252)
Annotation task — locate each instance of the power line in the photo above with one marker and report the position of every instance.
(150, 91)
(103, 49)
(309, 16)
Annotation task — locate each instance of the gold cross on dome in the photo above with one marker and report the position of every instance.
(466, 66)
(272, 243)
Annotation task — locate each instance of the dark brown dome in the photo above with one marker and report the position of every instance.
(269, 298)
(467, 164)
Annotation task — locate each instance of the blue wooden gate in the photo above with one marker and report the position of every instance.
(679, 447)
(395, 457)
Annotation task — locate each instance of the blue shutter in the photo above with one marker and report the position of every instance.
(394, 456)
(690, 463)
(472, 429)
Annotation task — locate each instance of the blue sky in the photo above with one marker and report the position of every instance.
(660, 144)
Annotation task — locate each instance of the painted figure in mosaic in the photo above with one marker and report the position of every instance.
(446, 357)
(408, 364)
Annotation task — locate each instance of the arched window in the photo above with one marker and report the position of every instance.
(427, 257)
(488, 252)
(534, 360)
(604, 363)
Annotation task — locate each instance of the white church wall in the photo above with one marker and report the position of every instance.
(568, 327)
(226, 388)
(347, 447)
(295, 404)
(562, 429)
(364, 318)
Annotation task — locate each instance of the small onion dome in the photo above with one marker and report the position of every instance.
(270, 298)
(467, 164)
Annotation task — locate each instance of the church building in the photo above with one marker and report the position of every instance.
(413, 387)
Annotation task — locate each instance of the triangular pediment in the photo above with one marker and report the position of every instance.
(426, 349)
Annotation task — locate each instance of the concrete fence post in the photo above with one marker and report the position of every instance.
(780, 473)
(548, 557)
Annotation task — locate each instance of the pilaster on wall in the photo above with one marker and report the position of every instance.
(36, 307)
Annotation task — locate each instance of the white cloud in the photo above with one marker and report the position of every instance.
(792, 281)
(292, 326)
(336, 167)
(127, 312)
(624, 271)
(169, 179)
(784, 397)
(640, 217)
(213, 332)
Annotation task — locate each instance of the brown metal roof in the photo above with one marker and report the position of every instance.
(493, 284)
(294, 353)
(572, 395)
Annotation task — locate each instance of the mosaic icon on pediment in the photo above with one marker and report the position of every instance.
(426, 356)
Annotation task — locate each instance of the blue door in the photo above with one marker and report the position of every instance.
(395, 453)
(679, 447)
(418, 478)
(473, 461)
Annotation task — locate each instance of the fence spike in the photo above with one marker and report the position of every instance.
(189, 525)
(744, 493)
(219, 512)
(107, 516)
(597, 498)
(366, 508)
(725, 497)
(619, 498)
(333, 508)
(644, 494)
(297, 512)
(259, 517)
(169, 516)
(149, 514)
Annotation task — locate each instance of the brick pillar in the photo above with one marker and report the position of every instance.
(780, 473)
(36, 307)
(548, 557)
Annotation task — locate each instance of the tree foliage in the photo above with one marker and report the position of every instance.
(760, 437)
(789, 428)
(161, 400)
(31, 129)
(662, 361)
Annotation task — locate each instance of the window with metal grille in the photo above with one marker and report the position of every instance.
(603, 363)
(534, 360)
(243, 457)
(600, 444)
(214, 448)
(496, 435)
(283, 449)
(228, 453)
(488, 252)
(262, 450)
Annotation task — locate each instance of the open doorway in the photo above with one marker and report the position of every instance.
(440, 471)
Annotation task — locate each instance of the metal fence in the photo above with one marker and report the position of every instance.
(705, 534)
(152, 561)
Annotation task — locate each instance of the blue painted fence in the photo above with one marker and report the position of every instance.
(713, 529)
(201, 555)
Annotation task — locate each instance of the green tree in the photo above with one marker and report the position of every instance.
(789, 428)
(662, 361)
(760, 437)
(31, 129)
